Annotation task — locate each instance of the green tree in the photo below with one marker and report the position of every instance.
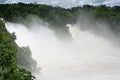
(9, 69)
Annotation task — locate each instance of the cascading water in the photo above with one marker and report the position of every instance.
(86, 57)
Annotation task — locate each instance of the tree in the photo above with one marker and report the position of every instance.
(9, 69)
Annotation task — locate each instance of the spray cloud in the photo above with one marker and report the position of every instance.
(89, 56)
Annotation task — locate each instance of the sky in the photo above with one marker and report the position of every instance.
(66, 3)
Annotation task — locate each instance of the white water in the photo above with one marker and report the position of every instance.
(87, 57)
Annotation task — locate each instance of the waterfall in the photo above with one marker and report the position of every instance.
(87, 57)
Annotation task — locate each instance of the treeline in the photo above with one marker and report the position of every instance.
(59, 17)
(54, 15)
(12, 56)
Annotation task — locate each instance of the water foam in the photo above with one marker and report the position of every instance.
(86, 57)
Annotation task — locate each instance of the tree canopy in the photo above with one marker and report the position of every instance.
(9, 69)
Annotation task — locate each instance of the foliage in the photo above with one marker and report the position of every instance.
(8, 62)
(59, 17)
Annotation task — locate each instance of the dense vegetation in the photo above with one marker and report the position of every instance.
(59, 17)
(9, 70)
(56, 15)
(12, 56)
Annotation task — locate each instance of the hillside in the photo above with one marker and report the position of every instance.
(58, 17)
(9, 50)
(15, 60)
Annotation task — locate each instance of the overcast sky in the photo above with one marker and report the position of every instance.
(67, 3)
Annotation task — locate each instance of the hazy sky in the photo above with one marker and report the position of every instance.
(67, 3)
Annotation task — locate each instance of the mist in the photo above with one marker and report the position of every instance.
(88, 56)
